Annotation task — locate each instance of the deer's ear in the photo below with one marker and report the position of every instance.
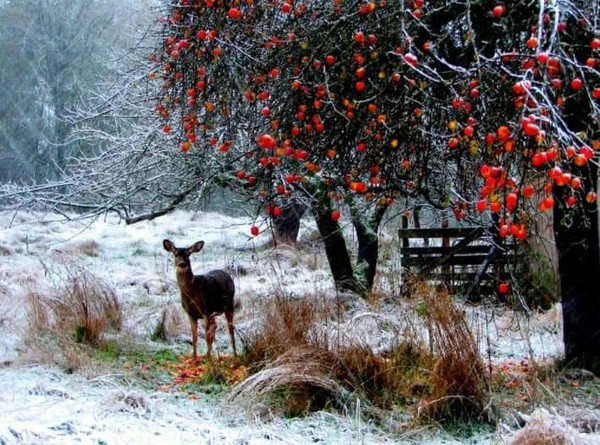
(196, 247)
(169, 246)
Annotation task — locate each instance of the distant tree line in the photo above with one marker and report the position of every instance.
(56, 56)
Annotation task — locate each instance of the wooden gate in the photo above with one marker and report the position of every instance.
(467, 260)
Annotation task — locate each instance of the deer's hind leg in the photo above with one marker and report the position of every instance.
(210, 328)
(229, 317)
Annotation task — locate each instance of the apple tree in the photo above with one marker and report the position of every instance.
(485, 108)
(313, 102)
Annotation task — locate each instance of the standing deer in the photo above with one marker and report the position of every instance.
(203, 296)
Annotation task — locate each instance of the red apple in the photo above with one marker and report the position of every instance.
(503, 288)
(235, 14)
(267, 141)
(576, 83)
(411, 59)
(571, 201)
(498, 11)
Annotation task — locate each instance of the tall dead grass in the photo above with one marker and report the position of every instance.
(287, 322)
(78, 309)
(300, 380)
(301, 360)
(303, 357)
(458, 381)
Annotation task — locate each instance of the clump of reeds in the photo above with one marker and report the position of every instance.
(301, 361)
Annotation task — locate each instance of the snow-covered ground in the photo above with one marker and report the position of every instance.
(40, 403)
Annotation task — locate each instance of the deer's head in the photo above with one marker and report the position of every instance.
(182, 254)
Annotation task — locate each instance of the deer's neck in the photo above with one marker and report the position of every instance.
(185, 280)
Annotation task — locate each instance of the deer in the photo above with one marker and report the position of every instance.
(203, 296)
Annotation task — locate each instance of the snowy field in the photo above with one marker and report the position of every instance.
(41, 403)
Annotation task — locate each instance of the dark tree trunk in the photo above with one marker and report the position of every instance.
(368, 251)
(287, 225)
(335, 248)
(577, 243)
(368, 246)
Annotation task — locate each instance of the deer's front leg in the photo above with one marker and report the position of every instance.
(194, 326)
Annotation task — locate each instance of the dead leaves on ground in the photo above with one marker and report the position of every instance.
(223, 370)
(521, 384)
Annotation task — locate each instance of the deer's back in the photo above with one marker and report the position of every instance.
(213, 293)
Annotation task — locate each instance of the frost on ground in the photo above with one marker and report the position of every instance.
(41, 403)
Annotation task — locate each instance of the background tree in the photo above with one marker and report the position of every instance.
(282, 103)
(53, 52)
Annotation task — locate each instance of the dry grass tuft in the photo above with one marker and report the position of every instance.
(80, 307)
(458, 380)
(122, 402)
(281, 255)
(89, 248)
(287, 322)
(544, 428)
(172, 321)
(297, 382)
(302, 361)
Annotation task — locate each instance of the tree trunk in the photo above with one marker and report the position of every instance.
(368, 251)
(287, 225)
(335, 248)
(368, 246)
(577, 243)
(576, 237)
